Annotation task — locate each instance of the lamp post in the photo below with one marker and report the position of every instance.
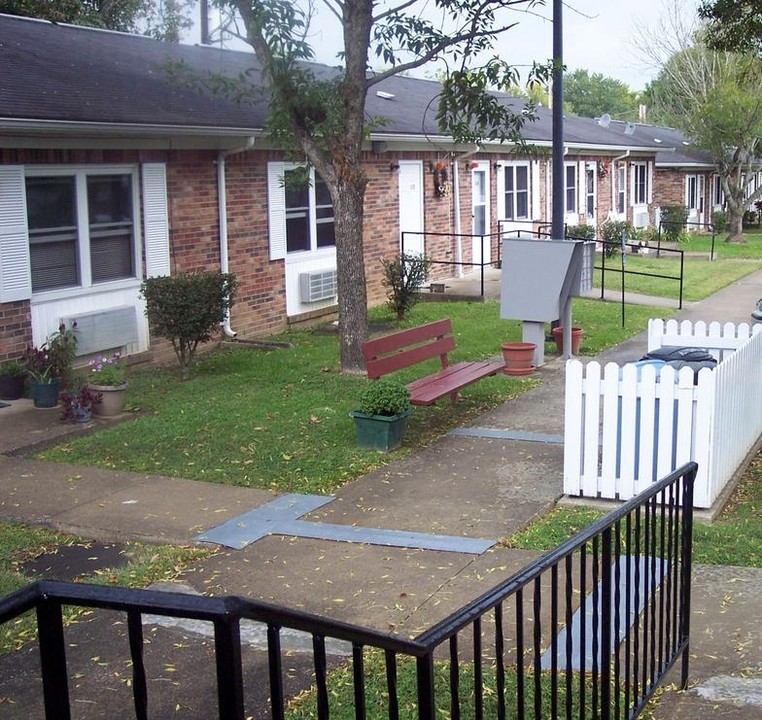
(557, 219)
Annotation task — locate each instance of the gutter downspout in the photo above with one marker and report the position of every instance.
(456, 208)
(223, 215)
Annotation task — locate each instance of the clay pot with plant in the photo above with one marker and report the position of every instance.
(49, 365)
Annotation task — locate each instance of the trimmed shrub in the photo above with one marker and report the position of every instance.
(580, 232)
(673, 219)
(719, 221)
(611, 235)
(187, 309)
(403, 276)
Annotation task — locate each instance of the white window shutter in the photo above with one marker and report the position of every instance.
(156, 219)
(500, 192)
(650, 181)
(582, 188)
(276, 209)
(534, 189)
(15, 268)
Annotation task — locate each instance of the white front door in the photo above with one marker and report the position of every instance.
(590, 199)
(411, 207)
(694, 199)
(480, 211)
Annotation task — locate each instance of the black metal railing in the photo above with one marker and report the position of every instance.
(489, 242)
(610, 263)
(586, 631)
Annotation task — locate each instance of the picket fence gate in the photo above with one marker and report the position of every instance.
(627, 426)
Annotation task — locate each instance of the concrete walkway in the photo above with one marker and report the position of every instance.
(482, 482)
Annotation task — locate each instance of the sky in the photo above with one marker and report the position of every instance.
(599, 36)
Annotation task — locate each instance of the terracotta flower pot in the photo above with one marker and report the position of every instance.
(518, 358)
(558, 335)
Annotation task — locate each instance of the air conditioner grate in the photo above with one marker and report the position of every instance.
(316, 286)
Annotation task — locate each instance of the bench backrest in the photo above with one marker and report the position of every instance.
(402, 349)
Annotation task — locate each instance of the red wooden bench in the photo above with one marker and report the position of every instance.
(406, 348)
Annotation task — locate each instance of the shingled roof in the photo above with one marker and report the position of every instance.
(55, 77)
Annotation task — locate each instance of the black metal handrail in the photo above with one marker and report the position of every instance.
(488, 239)
(587, 630)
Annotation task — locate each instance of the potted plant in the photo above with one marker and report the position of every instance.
(49, 364)
(107, 377)
(518, 357)
(12, 378)
(384, 410)
(78, 405)
(576, 338)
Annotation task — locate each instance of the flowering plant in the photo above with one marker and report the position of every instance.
(77, 405)
(107, 370)
(52, 359)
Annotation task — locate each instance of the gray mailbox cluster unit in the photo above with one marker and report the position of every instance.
(538, 280)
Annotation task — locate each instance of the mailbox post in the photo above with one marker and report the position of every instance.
(539, 279)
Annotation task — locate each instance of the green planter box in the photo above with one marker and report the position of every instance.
(380, 432)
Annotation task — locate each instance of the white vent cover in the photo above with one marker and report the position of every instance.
(316, 286)
(640, 219)
(104, 329)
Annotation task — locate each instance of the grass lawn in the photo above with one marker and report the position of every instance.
(735, 538)
(280, 420)
(701, 277)
(146, 564)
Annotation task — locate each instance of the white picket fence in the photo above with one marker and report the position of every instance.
(627, 426)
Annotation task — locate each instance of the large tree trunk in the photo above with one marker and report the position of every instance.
(353, 295)
(735, 220)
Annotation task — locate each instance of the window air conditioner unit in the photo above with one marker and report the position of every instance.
(318, 285)
(640, 219)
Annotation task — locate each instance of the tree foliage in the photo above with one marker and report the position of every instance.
(161, 19)
(593, 94)
(320, 116)
(187, 309)
(733, 25)
(715, 98)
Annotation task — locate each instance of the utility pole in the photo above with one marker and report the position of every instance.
(204, 10)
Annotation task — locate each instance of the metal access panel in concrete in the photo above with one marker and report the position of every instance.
(538, 276)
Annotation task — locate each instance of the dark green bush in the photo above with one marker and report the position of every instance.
(385, 397)
(187, 309)
(611, 235)
(719, 220)
(673, 219)
(580, 232)
(403, 276)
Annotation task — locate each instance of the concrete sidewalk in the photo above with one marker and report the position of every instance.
(485, 484)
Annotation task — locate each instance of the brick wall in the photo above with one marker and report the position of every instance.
(15, 329)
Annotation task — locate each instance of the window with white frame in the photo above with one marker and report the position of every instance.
(516, 198)
(621, 189)
(570, 189)
(639, 183)
(308, 211)
(718, 197)
(81, 225)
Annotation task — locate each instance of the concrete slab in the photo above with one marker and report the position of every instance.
(726, 649)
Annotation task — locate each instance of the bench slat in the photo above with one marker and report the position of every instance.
(402, 349)
(431, 388)
(404, 358)
(409, 347)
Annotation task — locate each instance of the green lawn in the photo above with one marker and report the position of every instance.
(701, 277)
(735, 538)
(146, 564)
(279, 419)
